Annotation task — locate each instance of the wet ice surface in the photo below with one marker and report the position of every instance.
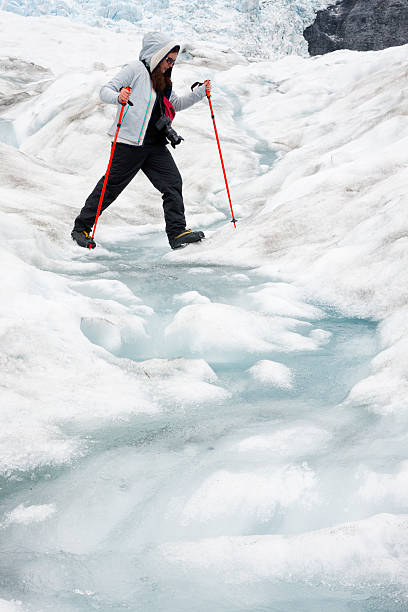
(186, 509)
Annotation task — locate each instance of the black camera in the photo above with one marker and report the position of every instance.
(164, 124)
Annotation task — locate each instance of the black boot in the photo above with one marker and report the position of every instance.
(83, 239)
(185, 238)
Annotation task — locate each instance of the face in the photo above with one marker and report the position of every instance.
(171, 57)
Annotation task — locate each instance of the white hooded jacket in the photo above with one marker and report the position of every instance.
(156, 46)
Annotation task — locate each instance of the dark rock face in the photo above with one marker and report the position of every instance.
(362, 25)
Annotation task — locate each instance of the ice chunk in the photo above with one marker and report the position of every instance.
(219, 332)
(183, 382)
(191, 297)
(24, 515)
(271, 373)
(116, 327)
(104, 333)
(283, 299)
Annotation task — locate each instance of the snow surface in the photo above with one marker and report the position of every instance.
(222, 427)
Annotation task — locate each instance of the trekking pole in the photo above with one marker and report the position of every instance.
(234, 220)
(109, 164)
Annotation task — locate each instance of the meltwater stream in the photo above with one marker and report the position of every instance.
(160, 512)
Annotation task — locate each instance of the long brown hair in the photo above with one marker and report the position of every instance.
(161, 81)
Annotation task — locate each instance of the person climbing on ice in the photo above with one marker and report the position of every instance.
(144, 134)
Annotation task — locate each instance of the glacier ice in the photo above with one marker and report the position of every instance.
(222, 427)
(256, 28)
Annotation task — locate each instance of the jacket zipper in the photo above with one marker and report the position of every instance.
(144, 119)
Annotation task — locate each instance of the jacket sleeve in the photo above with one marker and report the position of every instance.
(182, 102)
(109, 92)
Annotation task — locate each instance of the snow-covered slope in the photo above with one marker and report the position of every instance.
(174, 423)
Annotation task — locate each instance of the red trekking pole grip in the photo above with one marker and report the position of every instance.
(129, 89)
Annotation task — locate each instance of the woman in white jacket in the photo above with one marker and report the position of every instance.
(143, 137)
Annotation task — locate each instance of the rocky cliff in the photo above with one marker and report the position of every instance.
(362, 25)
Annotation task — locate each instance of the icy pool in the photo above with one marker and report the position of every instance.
(239, 499)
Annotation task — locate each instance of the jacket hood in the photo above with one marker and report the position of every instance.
(156, 45)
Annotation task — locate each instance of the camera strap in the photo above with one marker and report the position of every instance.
(169, 109)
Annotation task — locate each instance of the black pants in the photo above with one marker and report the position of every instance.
(159, 167)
